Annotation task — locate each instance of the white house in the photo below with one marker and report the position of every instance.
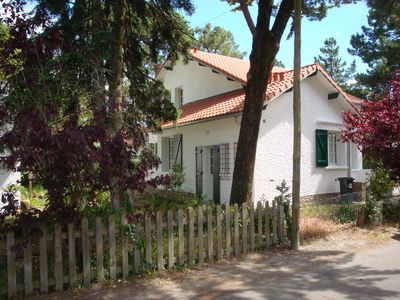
(209, 90)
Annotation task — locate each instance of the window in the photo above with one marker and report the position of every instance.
(225, 166)
(332, 148)
(178, 97)
(171, 151)
(234, 150)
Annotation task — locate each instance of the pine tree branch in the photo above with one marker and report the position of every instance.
(284, 13)
(245, 10)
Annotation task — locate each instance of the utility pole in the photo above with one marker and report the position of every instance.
(296, 128)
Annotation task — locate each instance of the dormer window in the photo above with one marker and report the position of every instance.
(178, 97)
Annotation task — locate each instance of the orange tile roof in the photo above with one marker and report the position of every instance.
(356, 100)
(232, 67)
(215, 106)
(232, 102)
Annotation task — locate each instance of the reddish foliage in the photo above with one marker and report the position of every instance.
(376, 129)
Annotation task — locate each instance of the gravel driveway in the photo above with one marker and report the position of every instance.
(354, 264)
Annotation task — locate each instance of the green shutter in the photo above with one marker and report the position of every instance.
(321, 143)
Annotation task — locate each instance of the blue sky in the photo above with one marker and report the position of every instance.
(340, 23)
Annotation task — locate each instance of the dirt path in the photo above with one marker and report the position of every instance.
(354, 264)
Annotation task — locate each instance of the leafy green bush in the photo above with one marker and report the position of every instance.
(381, 187)
(391, 212)
(344, 213)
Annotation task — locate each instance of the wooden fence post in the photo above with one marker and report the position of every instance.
(181, 238)
(210, 245)
(136, 252)
(43, 269)
(244, 227)
(228, 229)
(58, 266)
(85, 252)
(236, 229)
(267, 225)
(259, 225)
(160, 248)
(99, 250)
(190, 237)
(281, 221)
(148, 238)
(200, 237)
(219, 233)
(124, 248)
(252, 233)
(28, 281)
(274, 223)
(71, 255)
(11, 267)
(111, 241)
(171, 256)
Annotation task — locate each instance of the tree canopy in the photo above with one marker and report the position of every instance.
(217, 40)
(379, 46)
(330, 60)
(375, 129)
(77, 92)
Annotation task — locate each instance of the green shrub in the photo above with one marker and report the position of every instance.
(381, 187)
(391, 212)
(344, 213)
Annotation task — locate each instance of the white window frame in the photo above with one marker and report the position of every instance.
(332, 148)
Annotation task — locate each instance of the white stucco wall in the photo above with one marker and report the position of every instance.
(274, 151)
(203, 134)
(196, 81)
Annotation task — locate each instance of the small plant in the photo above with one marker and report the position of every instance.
(177, 178)
(285, 198)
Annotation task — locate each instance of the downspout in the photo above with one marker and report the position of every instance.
(348, 160)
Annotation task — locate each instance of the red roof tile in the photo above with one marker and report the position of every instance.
(234, 68)
(232, 102)
(215, 106)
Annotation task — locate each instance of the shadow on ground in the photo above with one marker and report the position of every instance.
(275, 275)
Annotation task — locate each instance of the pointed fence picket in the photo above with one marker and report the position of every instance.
(61, 257)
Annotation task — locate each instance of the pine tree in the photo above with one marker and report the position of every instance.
(330, 60)
(379, 46)
(217, 40)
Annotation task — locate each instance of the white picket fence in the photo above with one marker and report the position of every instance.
(60, 258)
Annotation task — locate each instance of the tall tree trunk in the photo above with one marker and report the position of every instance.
(296, 128)
(116, 65)
(264, 49)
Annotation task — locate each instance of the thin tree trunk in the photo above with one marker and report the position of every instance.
(116, 119)
(296, 128)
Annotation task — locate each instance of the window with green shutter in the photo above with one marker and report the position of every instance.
(321, 147)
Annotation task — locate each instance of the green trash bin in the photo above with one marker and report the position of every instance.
(346, 185)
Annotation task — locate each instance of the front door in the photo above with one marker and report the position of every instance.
(199, 171)
(215, 169)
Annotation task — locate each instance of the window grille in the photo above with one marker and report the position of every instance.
(225, 165)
